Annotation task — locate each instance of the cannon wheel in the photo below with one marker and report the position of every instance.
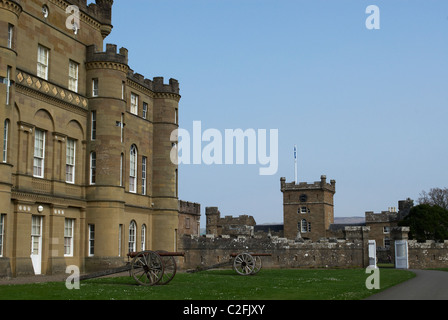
(244, 264)
(147, 268)
(169, 268)
(258, 264)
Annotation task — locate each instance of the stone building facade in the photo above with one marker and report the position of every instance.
(308, 208)
(85, 174)
(189, 218)
(382, 223)
(242, 225)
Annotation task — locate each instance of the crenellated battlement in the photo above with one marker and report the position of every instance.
(110, 55)
(155, 85)
(189, 207)
(322, 184)
(101, 10)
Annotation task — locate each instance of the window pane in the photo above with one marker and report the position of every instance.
(73, 76)
(134, 103)
(42, 62)
(39, 151)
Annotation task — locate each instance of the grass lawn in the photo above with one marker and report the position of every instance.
(268, 284)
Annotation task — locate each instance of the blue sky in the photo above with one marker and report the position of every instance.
(367, 108)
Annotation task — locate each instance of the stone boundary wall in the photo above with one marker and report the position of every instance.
(210, 250)
(427, 254)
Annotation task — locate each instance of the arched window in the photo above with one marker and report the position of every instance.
(132, 236)
(133, 169)
(143, 239)
(304, 226)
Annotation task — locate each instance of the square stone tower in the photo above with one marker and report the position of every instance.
(308, 208)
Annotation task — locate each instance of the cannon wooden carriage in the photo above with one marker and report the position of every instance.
(243, 263)
(148, 267)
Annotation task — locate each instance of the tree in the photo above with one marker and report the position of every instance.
(435, 196)
(427, 222)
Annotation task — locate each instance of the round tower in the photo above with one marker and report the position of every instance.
(165, 172)
(9, 17)
(106, 74)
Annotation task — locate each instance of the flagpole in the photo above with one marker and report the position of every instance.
(295, 164)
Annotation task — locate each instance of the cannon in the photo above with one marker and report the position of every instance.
(148, 268)
(242, 263)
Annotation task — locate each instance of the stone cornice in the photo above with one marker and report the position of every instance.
(139, 87)
(167, 95)
(107, 65)
(11, 6)
(41, 198)
(45, 91)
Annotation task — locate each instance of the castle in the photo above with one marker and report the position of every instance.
(308, 213)
(85, 175)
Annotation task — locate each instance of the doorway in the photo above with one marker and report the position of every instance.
(36, 244)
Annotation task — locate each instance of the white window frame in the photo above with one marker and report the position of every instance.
(303, 226)
(91, 240)
(69, 227)
(2, 233)
(95, 90)
(133, 157)
(70, 160)
(132, 237)
(10, 35)
(8, 83)
(120, 231)
(43, 54)
(144, 167)
(36, 234)
(93, 125)
(121, 169)
(92, 167)
(73, 71)
(143, 238)
(5, 140)
(145, 110)
(134, 103)
(39, 153)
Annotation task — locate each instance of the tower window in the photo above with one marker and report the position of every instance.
(92, 167)
(303, 226)
(134, 103)
(145, 110)
(95, 87)
(5, 141)
(133, 169)
(10, 35)
(93, 126)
